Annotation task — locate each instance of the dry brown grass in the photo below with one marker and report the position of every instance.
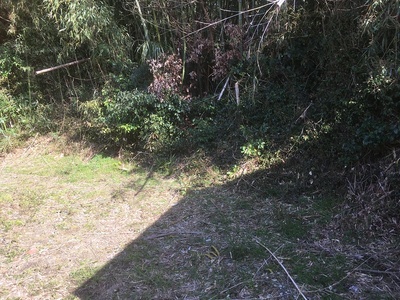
(55, 222)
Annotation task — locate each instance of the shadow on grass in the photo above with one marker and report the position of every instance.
(202, 248)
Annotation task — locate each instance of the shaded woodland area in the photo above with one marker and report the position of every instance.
(307, 90)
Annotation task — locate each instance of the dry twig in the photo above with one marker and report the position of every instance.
(283, 267)
(156, 236)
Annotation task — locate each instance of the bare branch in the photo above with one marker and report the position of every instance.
(303, 115)
(227, 18)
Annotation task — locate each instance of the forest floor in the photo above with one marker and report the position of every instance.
(76, 224)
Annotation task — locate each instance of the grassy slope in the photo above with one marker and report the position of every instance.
(75, 223)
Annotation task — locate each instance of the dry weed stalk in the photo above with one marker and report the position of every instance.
(373, 204)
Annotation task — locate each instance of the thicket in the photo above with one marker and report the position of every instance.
(274, 81)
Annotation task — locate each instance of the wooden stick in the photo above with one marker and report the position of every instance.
(283, 267)
(156, 236)
(61, 66)
(379, 272)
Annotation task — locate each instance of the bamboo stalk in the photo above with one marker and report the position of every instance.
(142, 19)
(61, 66)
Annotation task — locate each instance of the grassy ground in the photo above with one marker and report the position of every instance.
(76, 224)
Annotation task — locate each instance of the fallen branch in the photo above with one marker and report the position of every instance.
(61, 66)
(303, 115)
(379, 272)
(232, 287)
(283, 267)
(156, 236)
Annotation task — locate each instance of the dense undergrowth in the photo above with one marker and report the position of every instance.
(315, 91)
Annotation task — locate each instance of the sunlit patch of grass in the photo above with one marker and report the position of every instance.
(10, 251)
(30, 200)
(19, 208)
(10, 138)
(74, 168)
(65, 194)
(8, 224)
(97, 168)
(6, 198)
(85, 272)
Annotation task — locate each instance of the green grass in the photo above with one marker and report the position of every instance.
(10, 252)
(244, 251)
(73, 168)
(294, 228)
(85, 272)
(8, 224)
(10, 138)
(30, 200)
(321, 270)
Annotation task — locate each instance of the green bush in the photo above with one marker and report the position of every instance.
(9, 112)
(19, 115)
(13, 119)
(136, 119)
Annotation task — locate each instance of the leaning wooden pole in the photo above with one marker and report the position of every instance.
(61, 66)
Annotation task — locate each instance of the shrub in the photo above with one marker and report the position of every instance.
(135, 119)
(14, 119)
(166, 72)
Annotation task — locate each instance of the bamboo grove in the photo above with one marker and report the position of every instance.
(326, 70)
